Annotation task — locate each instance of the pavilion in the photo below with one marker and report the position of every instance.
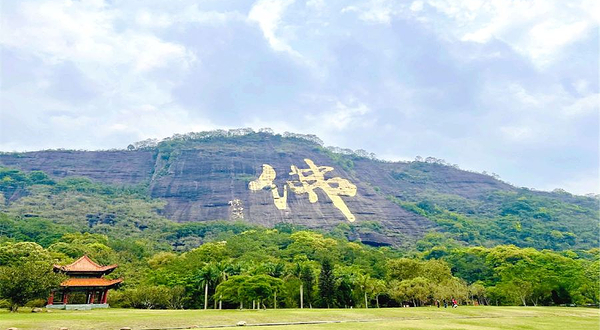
(86, 287)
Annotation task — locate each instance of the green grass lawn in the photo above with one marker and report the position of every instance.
(472, 318)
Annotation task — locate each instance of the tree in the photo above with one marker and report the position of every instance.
(363, 284)
(470, 264)
(436, 270)
(416, 290)
(229, 290)
(327, 283)
(260, 288)
(176, 297)
(21, 282)
(478, 291)
(273, 269)
(224, 268)
(294, 275)
(377, 288)
(240, 288)
(520, 288)
(313, 245)
(22, 252)
(451, 288)
(208, 275)
(148, 297)
(404, 269)
(591, 286)
(344, 287)
(308, 281)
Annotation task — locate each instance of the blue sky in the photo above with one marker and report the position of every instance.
(509, 87)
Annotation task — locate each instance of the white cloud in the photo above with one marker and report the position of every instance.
(149, 19)
(518, 133)
(101, 74)
(342, 116)
(346, 114)
(375, 11)
(149, 121)
(122, 63)
(268, 14)
(538, 29)
(317, 5)
(83, 32)
(581, 184)
(553, 103)
(278, 126)
(416, 6)
(583, 106)
(526, 117)
(549, 35)
(161, 55)
(582, 86)
(186, 14)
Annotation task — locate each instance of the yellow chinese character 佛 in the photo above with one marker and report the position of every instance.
(314, 177)
(265, 180)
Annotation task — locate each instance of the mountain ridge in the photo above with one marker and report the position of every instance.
(205, 176)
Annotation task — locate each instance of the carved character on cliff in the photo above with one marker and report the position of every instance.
(309, 179)
(314, 178)
(265, 180)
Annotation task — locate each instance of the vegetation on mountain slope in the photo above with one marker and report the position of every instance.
(471, 208)
(267, 267)
(489, 245)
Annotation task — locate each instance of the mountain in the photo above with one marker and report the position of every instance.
(265, 179)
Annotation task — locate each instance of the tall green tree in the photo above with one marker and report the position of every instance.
(417, 290)
(327, 284)
(294, 276)
(591, 285)
(229, 290)
(363, 287)
(307, 277)
(22, 282)
(378, 287)
(260, 288)
(344, 286)
(208, 276)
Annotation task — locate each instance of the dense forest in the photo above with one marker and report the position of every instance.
(242, 266)
(171, 265)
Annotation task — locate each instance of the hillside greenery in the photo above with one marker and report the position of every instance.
(496, 250)
(262, 268)
(506, 215)
(520, 216)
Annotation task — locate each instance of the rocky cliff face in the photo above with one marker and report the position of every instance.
(112, 167)
(210, 180)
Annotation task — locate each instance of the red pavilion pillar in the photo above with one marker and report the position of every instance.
(65, 298)
(51, 298)
(105, 296)
(92, 296)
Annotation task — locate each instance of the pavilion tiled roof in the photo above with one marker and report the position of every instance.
(102, 282)
(85, 265)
